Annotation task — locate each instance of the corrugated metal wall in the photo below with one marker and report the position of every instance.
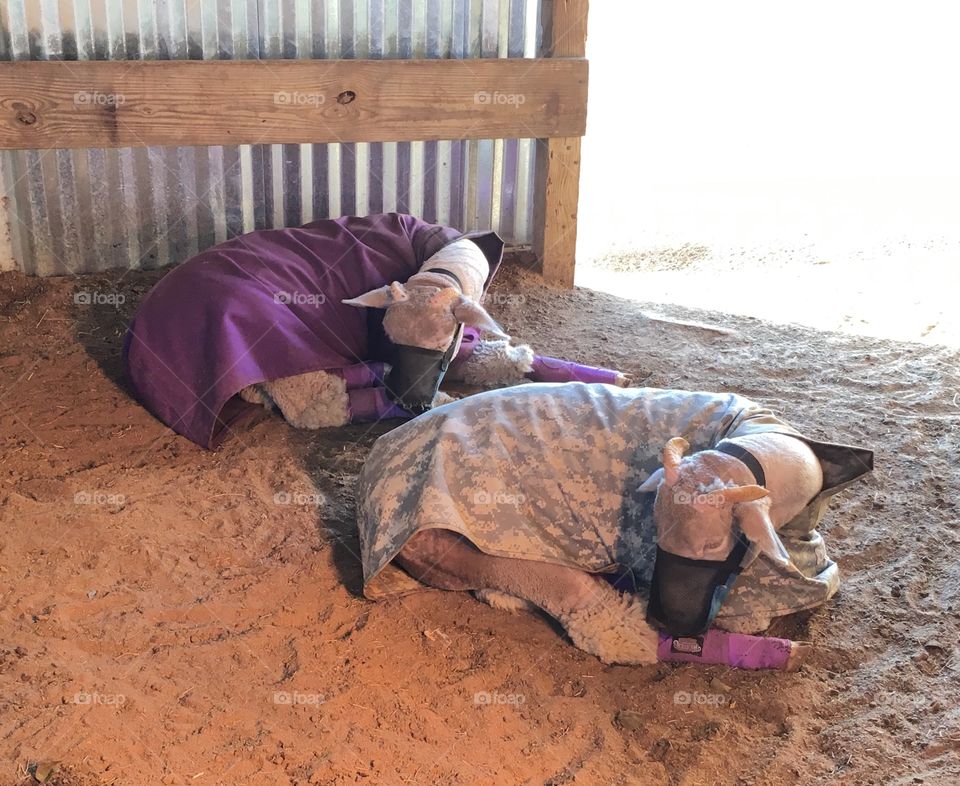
(87, 210)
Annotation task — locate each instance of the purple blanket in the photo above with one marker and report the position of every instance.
(267, 305)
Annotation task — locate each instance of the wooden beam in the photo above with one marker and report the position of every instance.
(558, 159)
(137, 103)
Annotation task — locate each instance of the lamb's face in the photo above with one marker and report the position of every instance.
(423, 322)
(699, 519)
(695, 510)
(424, 318)
(693, 520)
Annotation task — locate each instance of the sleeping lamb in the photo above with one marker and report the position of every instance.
(424, 318)
(528, 495)
(260, 319)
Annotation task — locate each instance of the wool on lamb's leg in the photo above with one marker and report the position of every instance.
(598, 619)
(502, 600)
(312, 400)
(613, 627)
(322, 399)
(498, 363)
(359, 375)
(493, 363)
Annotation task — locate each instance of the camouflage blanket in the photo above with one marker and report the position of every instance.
(550, 472)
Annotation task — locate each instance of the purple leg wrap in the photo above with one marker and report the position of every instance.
(471, 337)
(554, 370)
(369, 404)
(732, 649)
(362, 375)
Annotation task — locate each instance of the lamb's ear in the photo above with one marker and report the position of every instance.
(470, 312)
(379, 298)
(754, 518)
(737, 494)
(651, 483)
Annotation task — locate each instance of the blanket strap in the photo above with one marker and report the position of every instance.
(744, 455)
(447, 273)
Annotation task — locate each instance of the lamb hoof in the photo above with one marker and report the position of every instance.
(503, 600)
(615, 630)
(623, 380)
(799, 652)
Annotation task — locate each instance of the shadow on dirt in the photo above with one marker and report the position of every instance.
(333, 461)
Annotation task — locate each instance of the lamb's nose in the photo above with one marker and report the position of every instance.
(686, 593)
(415, 377)
(680, 618)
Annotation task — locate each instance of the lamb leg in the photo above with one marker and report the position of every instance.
(547, 369)
(597, 618)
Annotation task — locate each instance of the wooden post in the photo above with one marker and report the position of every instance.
(7, 217)
(557, 192)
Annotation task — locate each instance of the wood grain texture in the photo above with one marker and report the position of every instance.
(558, 194)
(558, 159)
(568, 29)
(136, 103)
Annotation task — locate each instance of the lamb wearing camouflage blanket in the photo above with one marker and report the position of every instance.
(528, 495)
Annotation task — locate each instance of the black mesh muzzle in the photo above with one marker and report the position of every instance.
(416, 373)
(686, 594)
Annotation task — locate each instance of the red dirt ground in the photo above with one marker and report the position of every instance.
(164, 620)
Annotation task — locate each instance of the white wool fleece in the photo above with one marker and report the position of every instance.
(494, 364)
(310, 401)
(614, 628)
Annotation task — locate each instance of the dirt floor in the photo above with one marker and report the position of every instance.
(167, 618)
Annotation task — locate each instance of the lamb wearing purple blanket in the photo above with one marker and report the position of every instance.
(271, 318)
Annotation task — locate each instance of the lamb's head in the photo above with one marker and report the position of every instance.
(701, 523)
(423, 322)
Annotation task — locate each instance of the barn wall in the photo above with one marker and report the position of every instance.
(71, 211)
